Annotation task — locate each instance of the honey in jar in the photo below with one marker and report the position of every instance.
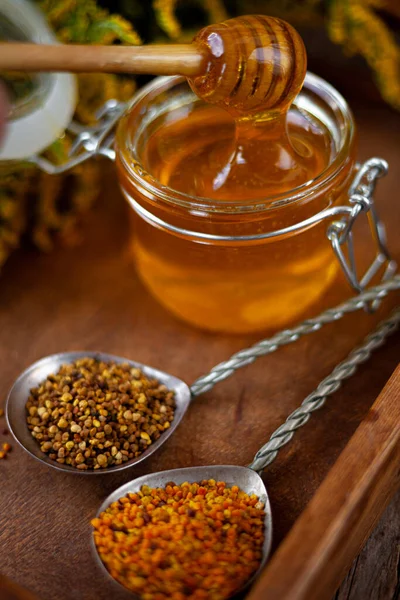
(225, 182)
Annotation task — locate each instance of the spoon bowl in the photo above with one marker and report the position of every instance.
(248, 480)
(37, 373)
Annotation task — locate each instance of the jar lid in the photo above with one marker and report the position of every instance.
(42, 105)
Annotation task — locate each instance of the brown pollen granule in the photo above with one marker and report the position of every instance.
(5, 448)
(93, 414)
(195, 540)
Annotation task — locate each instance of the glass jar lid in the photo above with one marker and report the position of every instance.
(42, 104)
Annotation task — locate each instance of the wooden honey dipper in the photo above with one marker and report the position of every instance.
(246, 64)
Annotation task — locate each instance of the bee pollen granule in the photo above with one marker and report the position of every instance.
(194, 540)
(93, 414)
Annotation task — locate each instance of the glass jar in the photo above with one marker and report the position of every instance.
(226, 265)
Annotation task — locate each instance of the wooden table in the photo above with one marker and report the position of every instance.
(88, 297)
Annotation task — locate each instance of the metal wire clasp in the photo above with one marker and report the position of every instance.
(340, 233)
(88, 142)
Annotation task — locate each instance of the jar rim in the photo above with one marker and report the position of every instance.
(151, 187)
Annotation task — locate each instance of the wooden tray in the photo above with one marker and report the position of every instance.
(341, 515)
(88, 297)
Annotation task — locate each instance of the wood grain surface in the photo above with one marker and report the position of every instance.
(88, 297)
(375, 573)
(335, 524)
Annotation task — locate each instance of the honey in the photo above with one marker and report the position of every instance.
(256, 66)
(216, 186)
(213, 156)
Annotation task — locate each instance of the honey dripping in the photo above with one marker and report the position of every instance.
(238, 161)
(254, 147)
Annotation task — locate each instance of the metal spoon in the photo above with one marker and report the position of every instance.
(246, 479)
(38, 371)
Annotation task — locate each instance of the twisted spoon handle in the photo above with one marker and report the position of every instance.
(249, 355)
(326, 388)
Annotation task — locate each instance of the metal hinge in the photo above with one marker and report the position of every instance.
(341, 233)
(88, 142)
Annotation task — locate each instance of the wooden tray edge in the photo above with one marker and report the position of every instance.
(318, 551)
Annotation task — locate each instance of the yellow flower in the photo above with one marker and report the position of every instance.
(165, 14)
(355, 25)
(82, 21)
